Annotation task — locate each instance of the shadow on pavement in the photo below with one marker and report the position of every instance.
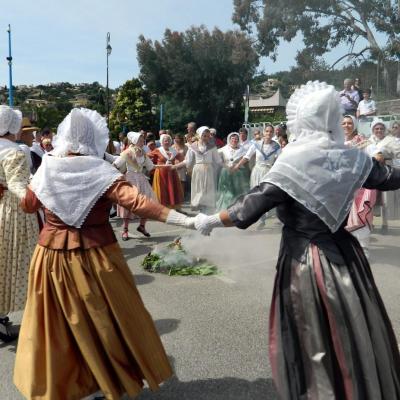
(214, 389)
(136, 250)
(143, 279)
(11, 346)
(167, 325)
(140, 247)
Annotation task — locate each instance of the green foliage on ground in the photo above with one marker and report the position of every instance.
(174, 261)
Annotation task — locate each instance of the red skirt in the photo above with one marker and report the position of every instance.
(168, 187)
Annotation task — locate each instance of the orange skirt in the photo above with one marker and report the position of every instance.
(85, 328)
(168, 187)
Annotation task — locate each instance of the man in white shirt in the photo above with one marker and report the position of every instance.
(349, 97)
(367, 106)
(243, 134)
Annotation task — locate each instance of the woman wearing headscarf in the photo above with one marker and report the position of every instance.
(204, 161)
(265, 152)
(85, 326)
(18, 231)
(384, 148)
(232, 181)
(361, 214)
(181, 148)
(330, 335)
(393, 198)
(135, 162)
(351, 137)
(166, 183)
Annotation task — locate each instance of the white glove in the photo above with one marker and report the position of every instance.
(175, 218)
(206, 223)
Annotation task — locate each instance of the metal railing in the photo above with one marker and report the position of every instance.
(364, 125)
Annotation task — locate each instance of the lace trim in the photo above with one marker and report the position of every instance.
(82, 219)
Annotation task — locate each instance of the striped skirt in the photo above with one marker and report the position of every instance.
(330, 336)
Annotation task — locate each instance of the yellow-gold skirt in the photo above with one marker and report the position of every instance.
(85, 328)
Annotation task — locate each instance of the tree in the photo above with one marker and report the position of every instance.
(324, 25)
(51, 116)
(199, 74)
(132, 109)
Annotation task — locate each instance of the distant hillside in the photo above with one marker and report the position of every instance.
(48, 104)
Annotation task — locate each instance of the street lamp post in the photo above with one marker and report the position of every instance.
(108, 51)
(9, 59)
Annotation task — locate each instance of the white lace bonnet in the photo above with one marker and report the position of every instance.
(200, 131)
(133, 137)
(82, 132)
(377, 121)
(315, 107)
(10, 120)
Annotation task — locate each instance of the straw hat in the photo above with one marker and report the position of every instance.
(27, 126)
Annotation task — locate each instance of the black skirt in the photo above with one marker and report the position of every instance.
(330, 335)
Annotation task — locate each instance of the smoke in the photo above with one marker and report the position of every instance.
(234, 250)
(172, 256)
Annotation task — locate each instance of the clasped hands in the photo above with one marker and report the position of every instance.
(203, 223)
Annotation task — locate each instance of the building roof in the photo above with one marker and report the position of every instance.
(276, 100)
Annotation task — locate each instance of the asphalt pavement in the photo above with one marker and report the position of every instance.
(215, 328)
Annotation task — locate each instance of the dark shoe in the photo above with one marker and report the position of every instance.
(113, 214)
(143, 231)
(125, 235)
(6, 333)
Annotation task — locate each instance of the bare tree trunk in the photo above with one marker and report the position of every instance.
(386, 78)
(398, 77)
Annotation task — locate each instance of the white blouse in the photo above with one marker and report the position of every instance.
(210, 156)
(134, 163)
(231, 156)
(270, 150)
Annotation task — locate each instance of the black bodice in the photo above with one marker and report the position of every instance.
(301, 226)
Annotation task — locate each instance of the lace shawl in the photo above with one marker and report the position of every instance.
(318, 170)
(70, 186)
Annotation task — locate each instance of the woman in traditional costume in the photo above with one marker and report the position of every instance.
(387, 149)
(204, 161)
(181, 149)
(85, 326)
(166, 183)
(232, 181)
(18, 231)
(360, 221)
(135, 162)
(265, 152)
(330, 335)
(384, 148)
(393, 198)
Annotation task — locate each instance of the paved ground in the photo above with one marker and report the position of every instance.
(215, 328)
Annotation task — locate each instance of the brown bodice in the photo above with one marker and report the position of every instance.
(96, 231)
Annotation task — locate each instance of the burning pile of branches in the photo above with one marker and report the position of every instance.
(174, 260)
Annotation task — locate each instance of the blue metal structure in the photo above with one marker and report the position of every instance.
(108, 51)
(9, 59)
(161, 115)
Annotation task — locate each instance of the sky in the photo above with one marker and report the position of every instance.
(64, 41)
